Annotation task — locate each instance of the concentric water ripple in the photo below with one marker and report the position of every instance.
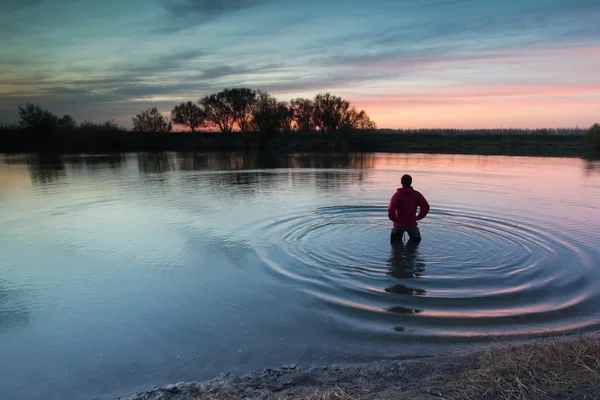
(471, 276)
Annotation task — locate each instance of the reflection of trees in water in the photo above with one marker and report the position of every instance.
(350, 168)
(336, 180)
(270, 160)
(329, 161)
(405, 264)
(13, 312)
(164, 162)
(193, 162)
(330, 178)
(155, 163)
(96, 163)
(244, 161)
(16, 160)
(241, 184)
(49, 168)
(261, 160)
(227, 170)
(255, 182)
(46, 168)
(323, 180)
(592, 167)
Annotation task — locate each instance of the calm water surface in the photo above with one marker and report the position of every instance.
(118, 273)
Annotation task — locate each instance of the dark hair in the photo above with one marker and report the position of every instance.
(406, 180)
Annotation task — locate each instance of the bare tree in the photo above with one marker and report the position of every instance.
(151, 120)
(330, 112)
(241, 101)
(218, 111)
(286, 116)
(188, 114)
(35, 117)
(303, 114)
(357, 120)
(66, 122)
(333, 113)
(266, 117)
(365, 124)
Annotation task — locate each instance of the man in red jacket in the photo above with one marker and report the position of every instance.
(402, 210)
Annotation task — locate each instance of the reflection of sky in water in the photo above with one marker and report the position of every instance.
(121, 272)
(13, 306)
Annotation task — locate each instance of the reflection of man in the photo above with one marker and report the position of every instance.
(404, 261)
(402, 210)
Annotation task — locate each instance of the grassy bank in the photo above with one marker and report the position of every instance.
(555, 368)
(552, 369)
(78, 141)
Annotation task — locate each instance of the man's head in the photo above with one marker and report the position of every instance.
(406, 180)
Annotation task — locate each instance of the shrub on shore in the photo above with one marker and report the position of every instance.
(106, 126)
(593, 136)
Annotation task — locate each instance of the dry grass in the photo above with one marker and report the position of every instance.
(551, 369)
(334, 393)
(216, 397)
(330, 394)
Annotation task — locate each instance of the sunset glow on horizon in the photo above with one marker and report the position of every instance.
(425, 64)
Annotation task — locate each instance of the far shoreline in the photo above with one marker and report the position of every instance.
(95, 142)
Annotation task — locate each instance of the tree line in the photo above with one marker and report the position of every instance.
(248, 110)
(241, 109)
(33, 117)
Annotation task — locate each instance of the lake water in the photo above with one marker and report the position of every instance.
(118, 273)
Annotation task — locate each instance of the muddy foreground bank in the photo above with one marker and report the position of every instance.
(554, 368)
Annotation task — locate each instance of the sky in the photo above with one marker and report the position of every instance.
(407, 63)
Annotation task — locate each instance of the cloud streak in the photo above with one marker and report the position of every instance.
(183, 14)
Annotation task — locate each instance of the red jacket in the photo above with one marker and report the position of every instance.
(403, 207)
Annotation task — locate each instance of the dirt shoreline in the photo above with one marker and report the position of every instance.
(411, 376)
(455, 375)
